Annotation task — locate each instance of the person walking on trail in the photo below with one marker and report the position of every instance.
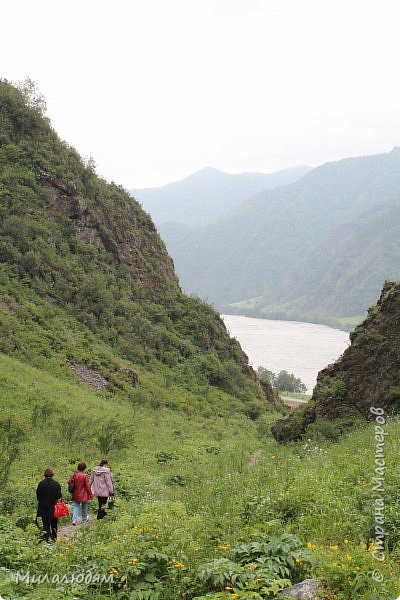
(47, 493)
(102, 485)
(81, 493)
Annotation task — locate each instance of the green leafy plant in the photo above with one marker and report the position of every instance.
(112, 435)
(11, 439)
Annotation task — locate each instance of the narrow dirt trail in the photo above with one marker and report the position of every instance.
(67, 531)
(255, 458)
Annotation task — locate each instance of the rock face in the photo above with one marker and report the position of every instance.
(306, 590)
(367, 374)
(89, 376)
(132, 375)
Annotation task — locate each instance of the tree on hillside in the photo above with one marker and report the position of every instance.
(111, 435)
(266, 376)
(34, 99)
(287, 382)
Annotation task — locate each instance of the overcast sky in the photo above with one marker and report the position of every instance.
(157, 89)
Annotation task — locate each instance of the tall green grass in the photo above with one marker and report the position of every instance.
(186, 488)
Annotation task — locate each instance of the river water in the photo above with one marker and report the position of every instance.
(300, 348)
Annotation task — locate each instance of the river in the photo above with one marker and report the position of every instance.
(300, 348)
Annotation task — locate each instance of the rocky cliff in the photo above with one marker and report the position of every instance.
(367, 374)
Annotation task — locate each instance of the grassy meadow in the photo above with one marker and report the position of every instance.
(198, 514)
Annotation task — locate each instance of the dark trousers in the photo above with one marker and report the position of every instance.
(101, 513)
(50, 528)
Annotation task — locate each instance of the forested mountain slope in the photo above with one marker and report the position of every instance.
(278, 246)
(83, 269)
(343, 275)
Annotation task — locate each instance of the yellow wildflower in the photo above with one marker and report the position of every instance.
(298, 561)
(224, 547)
(334, 548)
(346, 541)
(234, 595)
(348, 557)
(179, 564)
(228, 587)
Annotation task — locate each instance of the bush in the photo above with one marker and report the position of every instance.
(11, 439)
(72, 429)
(323, 429)
(42, 412)
(292, 427)
(111, 435)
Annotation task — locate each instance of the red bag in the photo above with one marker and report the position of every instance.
(60, 510)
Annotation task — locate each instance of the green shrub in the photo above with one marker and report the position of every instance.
(292, 427)
(12, 437)
(112, 435)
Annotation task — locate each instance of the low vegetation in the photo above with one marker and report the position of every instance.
(194, 518)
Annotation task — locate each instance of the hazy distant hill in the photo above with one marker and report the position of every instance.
(343, 275)
(173, 233)
(324, 244)
(209, 194)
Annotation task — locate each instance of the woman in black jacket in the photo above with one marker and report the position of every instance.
(48, 492)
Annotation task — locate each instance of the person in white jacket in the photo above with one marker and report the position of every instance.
(102, 486)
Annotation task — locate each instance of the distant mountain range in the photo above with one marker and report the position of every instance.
(208, 195)
(317, 250)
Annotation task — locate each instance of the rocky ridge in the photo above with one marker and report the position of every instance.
(367, 375)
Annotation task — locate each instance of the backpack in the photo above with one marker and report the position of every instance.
(71, 485)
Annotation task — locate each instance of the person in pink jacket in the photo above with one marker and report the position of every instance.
(102, 485)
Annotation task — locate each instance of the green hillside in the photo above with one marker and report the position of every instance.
(81, 263)
(317, 250)
(337, 284)
(101, 355)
